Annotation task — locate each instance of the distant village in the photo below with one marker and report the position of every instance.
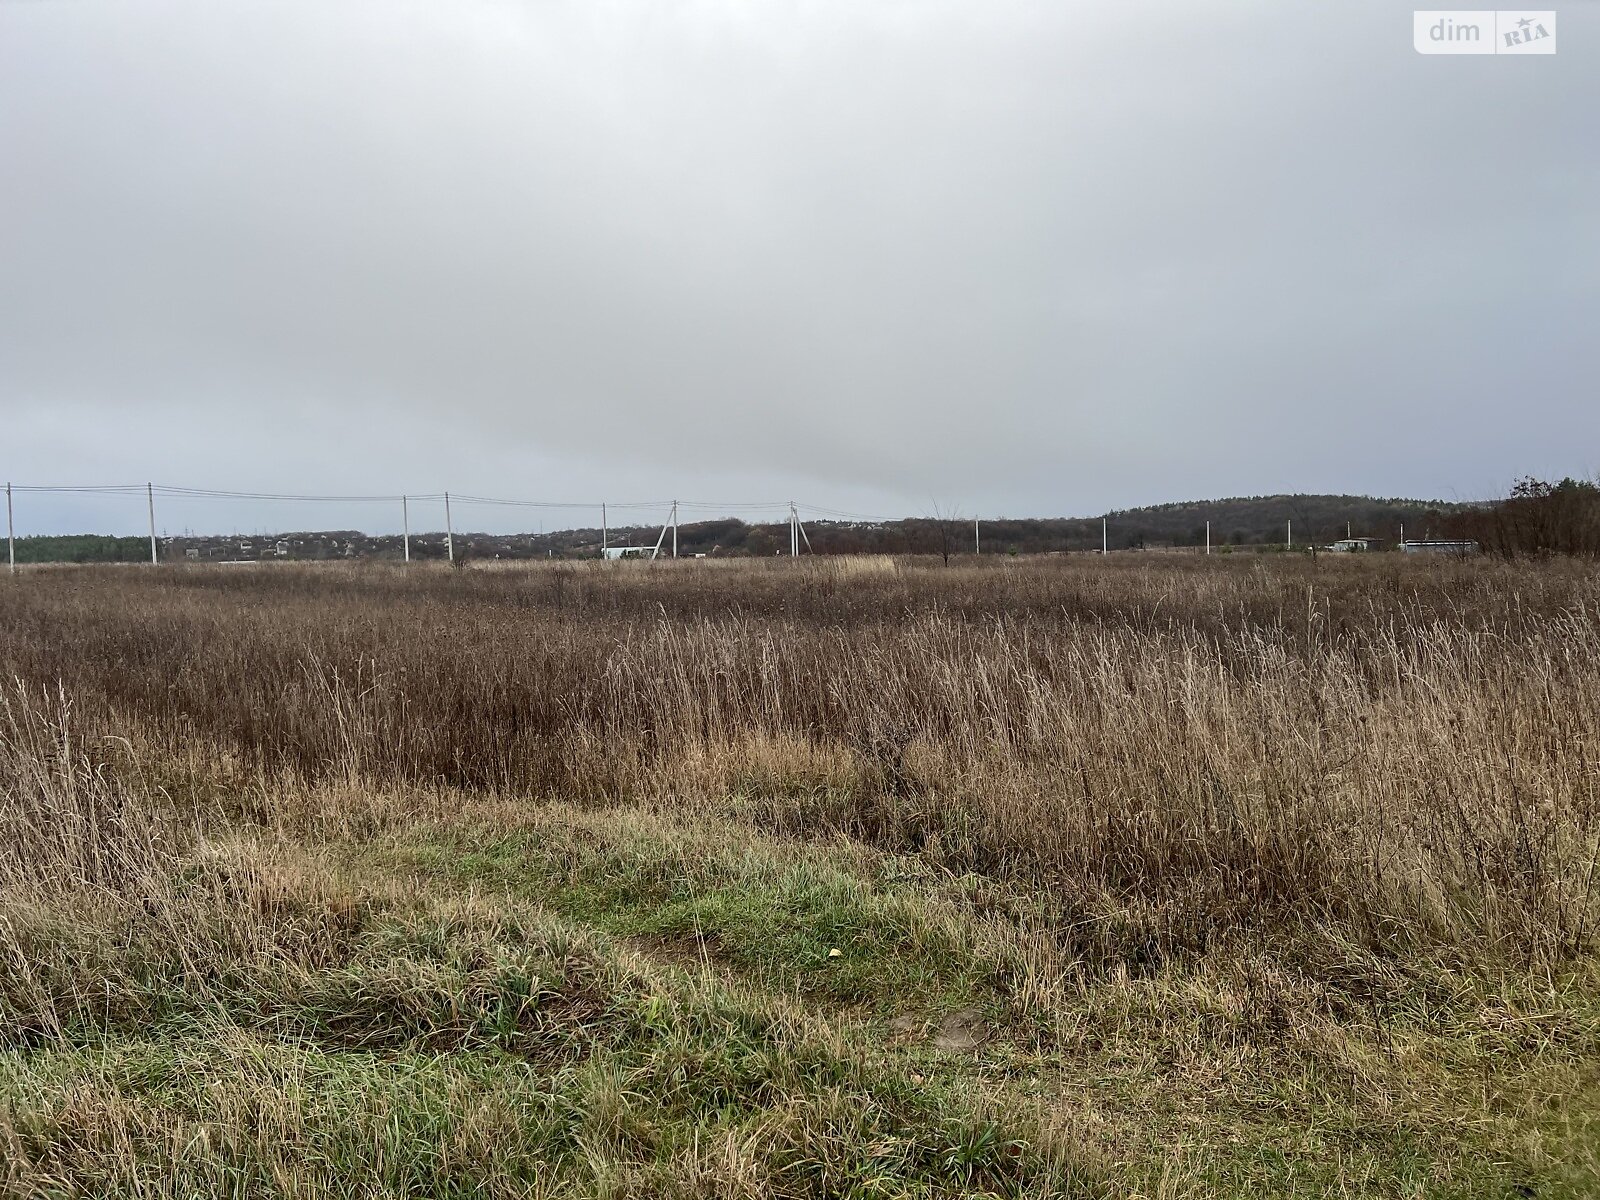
(348, 543)
(1253, 524)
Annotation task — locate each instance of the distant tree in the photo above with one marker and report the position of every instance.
(1537, 518)
(944, 525)
(82, 548)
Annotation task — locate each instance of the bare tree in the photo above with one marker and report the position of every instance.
(944, 523)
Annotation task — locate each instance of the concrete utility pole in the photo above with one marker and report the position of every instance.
(674, 529)
(11, 533)
(604, 531)
(794, 531)
(150, 498)
(1208, 537)
(405, 524)
(1289, 535)
(977, 541)
(1105, 543)
(449, 531)
(662, 536)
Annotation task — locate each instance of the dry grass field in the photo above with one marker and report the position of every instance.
(1164, 877)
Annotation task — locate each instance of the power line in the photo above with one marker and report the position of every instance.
(495, 500)
(213, 494)
(849, 516)
(106, 489)
(184, 492)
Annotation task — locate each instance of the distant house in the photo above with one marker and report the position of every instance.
(1458, 549)
(1354, 545)
(629, 551)
(281, 549)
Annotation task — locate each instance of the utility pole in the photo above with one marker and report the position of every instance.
(1105, 542)
(449, 532)
(11, 533)
(977, 540)
(1208, 537)
(662, 536)
(605, 532)
(150, 498)
(794, 531)
(405, 524)
(1289, 535)
(674, 529)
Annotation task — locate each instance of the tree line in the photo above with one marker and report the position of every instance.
(1538, 518)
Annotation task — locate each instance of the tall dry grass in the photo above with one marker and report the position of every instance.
(1393, 756)
(193, 1007)
(117, 908)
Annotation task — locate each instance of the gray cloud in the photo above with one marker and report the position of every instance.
(1029, 258)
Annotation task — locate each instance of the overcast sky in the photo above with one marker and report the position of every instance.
(1014, 258)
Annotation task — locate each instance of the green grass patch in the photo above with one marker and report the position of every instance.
(789, 922)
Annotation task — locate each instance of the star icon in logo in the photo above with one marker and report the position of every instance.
(1524, 23)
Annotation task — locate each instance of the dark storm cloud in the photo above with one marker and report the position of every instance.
(1031, 258)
